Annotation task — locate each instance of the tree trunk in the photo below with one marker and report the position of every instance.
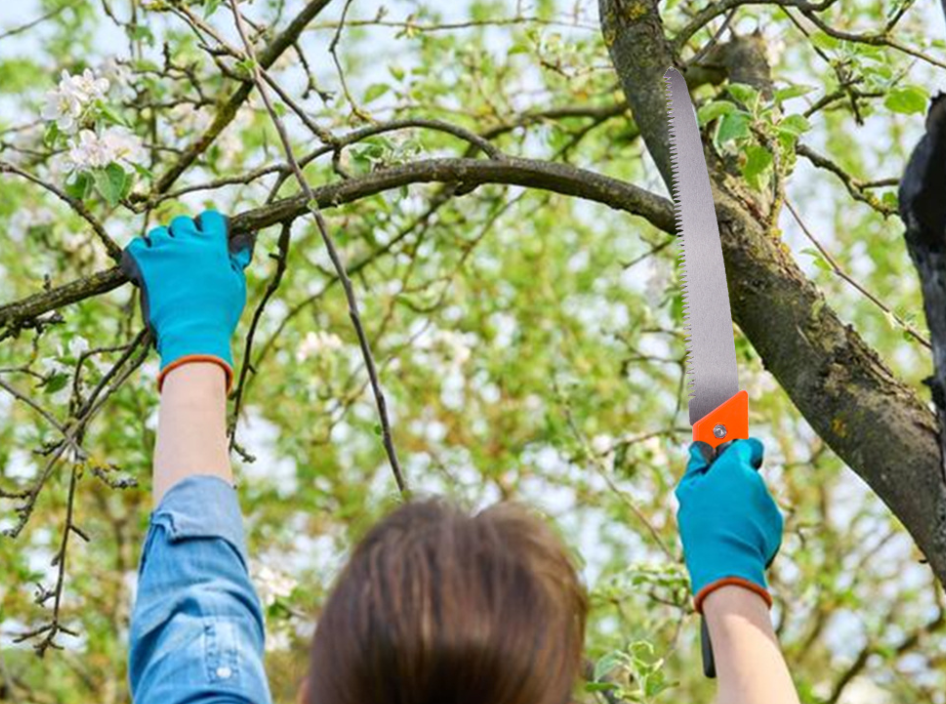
(874, 422)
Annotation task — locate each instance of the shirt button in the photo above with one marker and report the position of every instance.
(224, 672)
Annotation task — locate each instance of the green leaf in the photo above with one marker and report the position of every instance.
(793, 91)
(396, 72)
(142, 33)
(795, 124)
(907, 100)
(735, 125)
(747, 95)
(210, 7)
(758, 162)
(143, 171)
(246, 68)
(80, 187)
(824, 41)
(817, 258)
(110, 183)
(51, 135)
(56, 382)
(714, 110)
(655, 684)
(110, 114)
(592, 687)
(375, 91)
(606, 664)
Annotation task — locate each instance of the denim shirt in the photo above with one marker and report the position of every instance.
(197, 628)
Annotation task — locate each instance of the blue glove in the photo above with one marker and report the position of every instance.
(193, 288)
(730, 526)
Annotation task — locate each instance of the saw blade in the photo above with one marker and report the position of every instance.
(711, 350)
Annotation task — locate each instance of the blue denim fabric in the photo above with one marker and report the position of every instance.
(197, 628)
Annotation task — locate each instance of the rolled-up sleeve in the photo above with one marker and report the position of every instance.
(197, 628)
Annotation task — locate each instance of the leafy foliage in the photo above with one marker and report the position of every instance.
(530, 344)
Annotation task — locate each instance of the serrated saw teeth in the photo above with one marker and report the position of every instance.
(710, 356)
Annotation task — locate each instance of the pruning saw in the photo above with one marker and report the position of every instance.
(719, 411)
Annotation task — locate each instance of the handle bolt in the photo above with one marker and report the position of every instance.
(720, 431)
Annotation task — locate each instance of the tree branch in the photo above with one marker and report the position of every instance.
(469, 173)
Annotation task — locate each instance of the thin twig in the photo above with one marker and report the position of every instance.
(604, 474)
(839, 271)
(20, 396)
(32, 23)
(333, 51)
(282, 259)
(855, 187)
(114, 251)
(714, 40)
(879, 39)
(313, 207)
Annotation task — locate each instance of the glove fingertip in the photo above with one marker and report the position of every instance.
(756, 452)
(211, 222)
(749, 451)
(701, 454)
(129, 264)
(241, 249)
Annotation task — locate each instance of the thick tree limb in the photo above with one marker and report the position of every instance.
(874, 422)
(466, 173)
(634, 34)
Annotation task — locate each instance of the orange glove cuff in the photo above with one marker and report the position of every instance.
(227, 369)
(731, 581)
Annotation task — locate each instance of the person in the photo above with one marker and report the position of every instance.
(436, 605)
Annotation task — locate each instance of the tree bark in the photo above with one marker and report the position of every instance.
(874, 422)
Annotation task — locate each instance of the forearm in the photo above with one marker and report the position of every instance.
(749, 662)
(192, 437)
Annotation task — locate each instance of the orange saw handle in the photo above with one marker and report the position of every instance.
(727, 422)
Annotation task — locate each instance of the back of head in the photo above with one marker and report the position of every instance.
(440, 607)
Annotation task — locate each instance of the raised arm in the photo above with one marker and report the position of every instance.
(731, 531)
(197, 628)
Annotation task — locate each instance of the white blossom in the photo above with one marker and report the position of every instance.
(123, 144)
(77, 346)
(91, 150)
(88, 84)
(316, 343)
(52, 366)
(272, 584)
(67, 103)
(602, 444)
(64, 109)
(457, 347)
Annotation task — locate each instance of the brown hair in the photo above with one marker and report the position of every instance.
(437, 606)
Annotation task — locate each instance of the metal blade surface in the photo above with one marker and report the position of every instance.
(711, 361)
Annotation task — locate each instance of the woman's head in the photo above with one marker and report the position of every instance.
(437, 606)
